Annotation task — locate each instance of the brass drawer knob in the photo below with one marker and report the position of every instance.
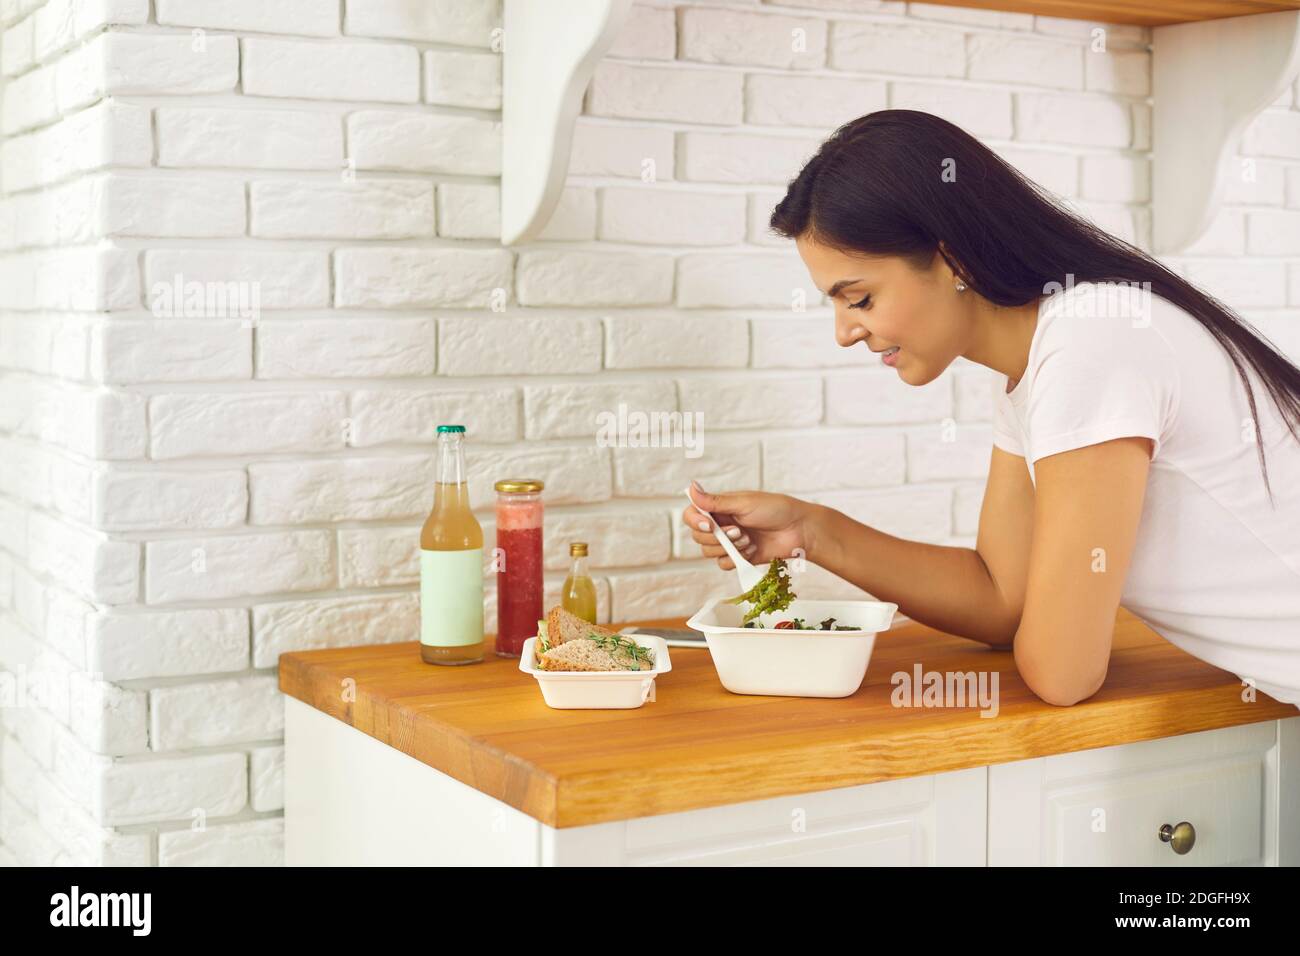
(1181, 837)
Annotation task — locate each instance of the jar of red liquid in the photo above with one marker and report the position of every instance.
(519, 563)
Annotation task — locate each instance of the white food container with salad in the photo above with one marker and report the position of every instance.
(598, 690)
(793, 662)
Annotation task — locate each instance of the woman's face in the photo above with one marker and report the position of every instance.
(885, 301)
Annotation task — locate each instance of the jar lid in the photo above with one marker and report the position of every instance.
(519, 486)
(578, 549)
(450, 428)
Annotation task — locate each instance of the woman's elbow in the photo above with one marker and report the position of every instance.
(1052, 684)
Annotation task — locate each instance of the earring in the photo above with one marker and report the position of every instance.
(961, 286)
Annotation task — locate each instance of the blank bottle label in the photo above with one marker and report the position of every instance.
(451, 597)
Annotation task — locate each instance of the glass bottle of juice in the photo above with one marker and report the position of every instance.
(519, 577)
(578, 596)
(451, 563)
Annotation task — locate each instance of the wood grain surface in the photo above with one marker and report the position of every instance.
(697, 745)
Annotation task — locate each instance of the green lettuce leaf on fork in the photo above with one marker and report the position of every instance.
(771, 593)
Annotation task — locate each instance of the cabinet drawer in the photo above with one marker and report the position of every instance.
(1105, 807)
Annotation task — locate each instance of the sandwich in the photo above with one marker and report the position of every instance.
(565, 642)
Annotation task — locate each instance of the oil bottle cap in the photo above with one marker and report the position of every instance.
(519, 486)
(578, 549)
(450, 428)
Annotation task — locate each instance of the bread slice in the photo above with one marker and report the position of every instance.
(563, 626)
(584, 654)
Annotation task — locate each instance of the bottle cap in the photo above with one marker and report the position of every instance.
(450, 428)
(519, 486)
(578, 549)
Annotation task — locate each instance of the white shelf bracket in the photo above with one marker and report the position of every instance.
(550, 52)
(1210, 79)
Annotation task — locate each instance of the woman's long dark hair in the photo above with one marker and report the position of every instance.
(876, 186)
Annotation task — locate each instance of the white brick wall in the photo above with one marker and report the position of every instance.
(187, 494)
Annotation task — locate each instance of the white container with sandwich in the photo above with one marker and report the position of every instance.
(579, 665)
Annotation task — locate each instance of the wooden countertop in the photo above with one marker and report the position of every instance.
(697, 745)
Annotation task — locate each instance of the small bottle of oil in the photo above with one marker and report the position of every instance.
(578, 596)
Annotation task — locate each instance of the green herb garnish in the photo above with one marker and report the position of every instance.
(617, 642)
(771, 593)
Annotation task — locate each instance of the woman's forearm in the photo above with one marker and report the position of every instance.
(943, 587)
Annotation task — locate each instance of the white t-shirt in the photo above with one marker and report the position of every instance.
(1216, 568)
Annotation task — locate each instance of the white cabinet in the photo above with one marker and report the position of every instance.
(350, 799)
(1106, 807)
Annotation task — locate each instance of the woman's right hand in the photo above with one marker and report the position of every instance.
(761, 525)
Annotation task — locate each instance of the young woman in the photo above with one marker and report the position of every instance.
(1145, 446)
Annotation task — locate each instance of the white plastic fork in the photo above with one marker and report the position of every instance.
(746, 572)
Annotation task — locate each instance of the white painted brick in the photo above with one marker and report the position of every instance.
(917, 513)
(17, 53)
(284, 278)
(360, 489)
(1252, 182)
(753, 402)
(137, 205)
(1092, 30)
(649, 472)
(986, 18)
(741, 280)
(250, 843)
(109, 719)
(861, 46)
(671, 217)
(333, 622)
(1057, 172)
(126, 500)
(346, 348)
(740, 38)
(881, 398)
(400, 276)
(197, 569)
(469, 211)
(134, 646)
(648, 33)
(1273, 233)
(213, 713)
(383, 72)
(662, 93)
(948, 450)
(1025, 60)
(778, 99)
(186, 424)
(130, 351)
(381, 209)
(382, 557)
(29, 100)
(260, 139)
(175, 788)
(742, 157)
(107, 134)
(633, 152)
(673, 341)
(808, 342)
(301, 17)
(580, 278)
(980, 112)
(574, 216)
(835, 460)
(77, 279)
(1072, 120)
(120, 64)
(266, 779)
(1242, 282)
(471, 80)
(578, 474)
(967, 502)
(574, 410)
(495, 345)
(674, 592)
(99, 570)
(1116, 179)
(423, 142)
(1119, 71)
(615, 538)
(411, 416)
(440, 21)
